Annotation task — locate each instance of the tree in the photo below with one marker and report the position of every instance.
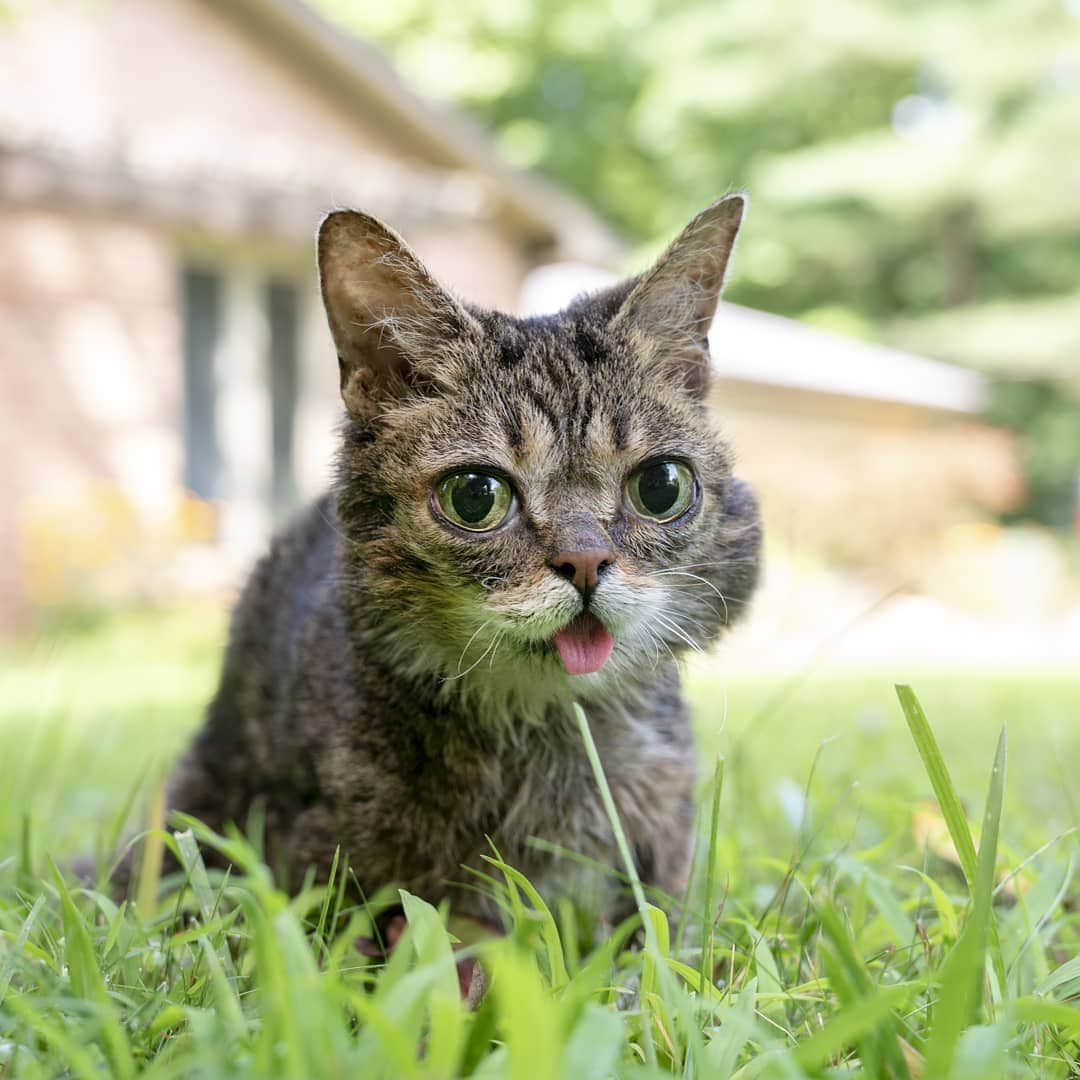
(914, 165)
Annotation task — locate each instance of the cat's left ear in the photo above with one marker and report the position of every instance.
(671, 307)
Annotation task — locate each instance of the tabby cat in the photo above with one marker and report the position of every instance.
(527, 512)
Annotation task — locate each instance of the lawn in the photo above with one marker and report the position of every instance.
(839, 921)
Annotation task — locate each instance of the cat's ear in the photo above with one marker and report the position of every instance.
(390, 319)
(670, 307)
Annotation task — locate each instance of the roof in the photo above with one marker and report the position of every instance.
(76, 129)
(361, 73)
(754, 347)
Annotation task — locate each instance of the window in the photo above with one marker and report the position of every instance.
(241, 352)
(201, 313)
(282, 306)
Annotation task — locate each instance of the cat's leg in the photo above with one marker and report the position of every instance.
(663, 858)
(659, 828)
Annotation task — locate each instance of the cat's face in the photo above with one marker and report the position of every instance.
(539, 500)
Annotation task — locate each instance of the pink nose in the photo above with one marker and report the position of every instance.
(583, 567)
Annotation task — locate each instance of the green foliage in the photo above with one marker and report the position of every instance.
(820, 935)
(896, 152)
(914, 169)
(1047, 422)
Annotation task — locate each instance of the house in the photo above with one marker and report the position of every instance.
(862, 455)
(167, 385)
(163, 166)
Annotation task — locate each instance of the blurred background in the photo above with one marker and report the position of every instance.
(898, 359)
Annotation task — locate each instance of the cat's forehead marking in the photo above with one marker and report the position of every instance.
(559, 401)
(565, 371)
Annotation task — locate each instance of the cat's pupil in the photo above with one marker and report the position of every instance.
(658, 487)
(473, 496)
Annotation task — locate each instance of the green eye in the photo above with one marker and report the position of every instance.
(661, 490)
(475, 501)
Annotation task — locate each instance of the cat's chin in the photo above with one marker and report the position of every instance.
(584, 644)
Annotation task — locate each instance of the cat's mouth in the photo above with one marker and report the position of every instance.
(584, 644)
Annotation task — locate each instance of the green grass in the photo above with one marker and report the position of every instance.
(827, 931)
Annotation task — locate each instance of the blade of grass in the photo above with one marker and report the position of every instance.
(1034, 1010)
(877, 1040)
(849, 1025)
(226, 998)
(708, 962)
(55, 1035)
(529, 1017)
(7, 969)
(153, 854)
(613, 818)
(1065, 978)
(431, 942)
(280, 1050)
(624, 852)
(735, 1032)
(195, 869)
(192, 861)
(110, 841)
(942, 904)
(26, 858)
(88, 982)
(549, 929)
(447, 1031)
(328, 899)
(959, 992)
(592, 1051)
(986, 867)
(940, 781)
(951, 809)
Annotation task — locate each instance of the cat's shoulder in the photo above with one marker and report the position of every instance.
(291, 581)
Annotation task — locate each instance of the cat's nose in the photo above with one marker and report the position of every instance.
(583, 568)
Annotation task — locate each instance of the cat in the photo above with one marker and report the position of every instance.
(527, 512)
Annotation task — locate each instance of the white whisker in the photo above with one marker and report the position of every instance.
(678, 631)
(461, 659)
(680, 572)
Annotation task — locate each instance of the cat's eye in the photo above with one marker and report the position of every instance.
(662, 490)
(475, 501)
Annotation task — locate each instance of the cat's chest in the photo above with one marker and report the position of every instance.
(525, 781)
(543, 791)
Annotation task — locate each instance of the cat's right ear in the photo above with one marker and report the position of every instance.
(390, 319)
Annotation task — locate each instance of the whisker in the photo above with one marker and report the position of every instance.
(725, 600)
(498, 641)
(694, 622)
(678, 631)
(481, 627)
(657, 641)
(704, 581)
(334, 529)
(692, 566)
(711, 607)
(461, 658)
(479, 660)
(697, 577)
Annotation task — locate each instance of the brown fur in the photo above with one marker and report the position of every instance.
(390, 684)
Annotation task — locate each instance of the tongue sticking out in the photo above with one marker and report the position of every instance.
(584, 644)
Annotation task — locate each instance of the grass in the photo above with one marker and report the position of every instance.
(878, 891)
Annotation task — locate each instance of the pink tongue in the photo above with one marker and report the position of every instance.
(584, 644)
